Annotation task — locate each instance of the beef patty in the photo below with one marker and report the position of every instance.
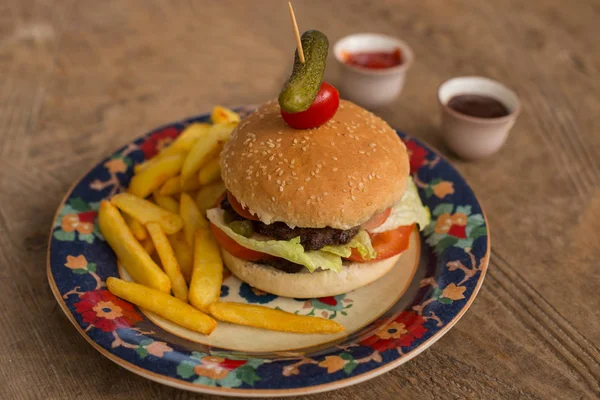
(282, 265)
(310, 238)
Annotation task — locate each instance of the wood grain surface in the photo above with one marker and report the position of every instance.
(78, 79)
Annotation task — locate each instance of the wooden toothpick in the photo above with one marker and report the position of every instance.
(297, 33)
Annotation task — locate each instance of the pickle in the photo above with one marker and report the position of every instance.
(243, 228)
(302, 87)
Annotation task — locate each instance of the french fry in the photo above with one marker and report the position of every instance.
(162, 304)
(222, 115)
(168, 260)
(208, 195)
(135, 259)
(148, 246)
(182, 144)
(145, 211)
(192, 218)
(166, 202)
(207, 275)
(173, 186)
(188, 137)
(139, 231)
(210, 172)
(204, 149)
(268, 318)
(155, 175)
(184, 254)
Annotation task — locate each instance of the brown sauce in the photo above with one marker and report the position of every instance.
(479, 106)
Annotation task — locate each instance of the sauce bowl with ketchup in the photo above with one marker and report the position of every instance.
(373, 68)
(477, 114)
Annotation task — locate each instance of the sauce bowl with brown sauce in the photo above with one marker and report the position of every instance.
(477, 114)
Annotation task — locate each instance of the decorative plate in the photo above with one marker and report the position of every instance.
(387, 323)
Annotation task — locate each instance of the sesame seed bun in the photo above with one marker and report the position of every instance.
(305, 284)
(338, 175)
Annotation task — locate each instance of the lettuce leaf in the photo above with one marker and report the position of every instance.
(361, 242)
(407, 211)
(290, 250)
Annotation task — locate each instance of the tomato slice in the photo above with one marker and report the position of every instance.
(321, 110)
(234, 248)
(240, 209)
(377, 220)
(387, 244)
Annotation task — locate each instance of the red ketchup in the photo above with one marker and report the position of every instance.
(374, 59)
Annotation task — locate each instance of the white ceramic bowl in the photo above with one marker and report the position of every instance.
(371, 88)
(473, 137)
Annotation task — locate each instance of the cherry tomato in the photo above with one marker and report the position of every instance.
(377, 220)
(234, 248)
(240, 209)
(387, 244)
(320, 111)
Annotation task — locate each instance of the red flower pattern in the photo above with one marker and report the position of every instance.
(105, 311)
(401, 332)
(330, 301)
(153, 144)
(416, 155)
(232, 364)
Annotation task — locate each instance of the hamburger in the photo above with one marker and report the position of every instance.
(315, 212)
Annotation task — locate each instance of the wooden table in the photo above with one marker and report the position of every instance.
(80, 78)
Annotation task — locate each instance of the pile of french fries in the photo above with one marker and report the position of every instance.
(159, 232)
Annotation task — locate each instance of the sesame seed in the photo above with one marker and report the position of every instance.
(303, 148)
(372, 144)
(319, 166)
(353, 198)
(325, 194)
(361, 152)
(271, 158)
(306, 137)
(293, 173)
(279, 140)
(334, 169)
(269, 177)
(293, 161)
(308, 201)
(312, 197)
(281, 188)
(289, 203)
(333, 144)
(334, 158)
(295, 141)
(278, 181)
(301, 188)
(273, 198)
(307, 179)
(280, 173)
